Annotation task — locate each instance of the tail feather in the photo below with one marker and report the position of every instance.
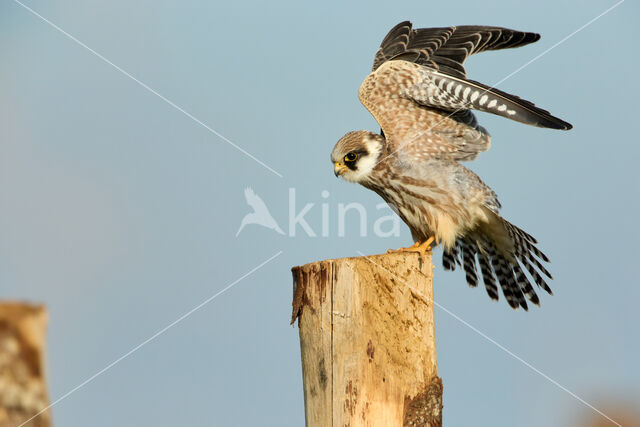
(503, 253)
(536, 276)
(469, 262)
(487, 276)
(512, 292)
(519, 231)
(539, 265)
(525, 285)
(524, 248)
(450, 259)
(537, 252)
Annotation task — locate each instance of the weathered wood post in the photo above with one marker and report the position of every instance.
(367, 339)
(23, 387)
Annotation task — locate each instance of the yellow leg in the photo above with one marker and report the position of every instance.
(393, 251)
(420, 247)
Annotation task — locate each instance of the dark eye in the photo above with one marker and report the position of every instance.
(350, 157)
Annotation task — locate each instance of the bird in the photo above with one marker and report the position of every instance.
(419, 94)
(260, 215)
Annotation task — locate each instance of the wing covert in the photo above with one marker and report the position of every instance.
(415, 131)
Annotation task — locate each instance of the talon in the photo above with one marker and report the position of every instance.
(420, 247)
(399, 250)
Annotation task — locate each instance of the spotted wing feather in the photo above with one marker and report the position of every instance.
(438, 90)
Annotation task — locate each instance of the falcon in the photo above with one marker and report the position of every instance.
(419, 94)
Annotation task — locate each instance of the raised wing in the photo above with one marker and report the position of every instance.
(440, 53)
(416, 131)
(447, 48)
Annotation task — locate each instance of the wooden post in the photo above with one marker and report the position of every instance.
(23, 389)
(367, 339)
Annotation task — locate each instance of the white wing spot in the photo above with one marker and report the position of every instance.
(492, 104)
(511, 112)
(475, 96)
(502, 107)
(483, 99)
(465, 94)
(458, 89)
(450, 86)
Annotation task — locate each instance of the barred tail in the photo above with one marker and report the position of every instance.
(503, 252)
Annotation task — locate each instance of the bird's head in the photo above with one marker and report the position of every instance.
(356, 154)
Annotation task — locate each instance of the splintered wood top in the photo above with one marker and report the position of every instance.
(367, 340)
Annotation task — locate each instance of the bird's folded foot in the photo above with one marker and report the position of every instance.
(420, 247)
(409, 249)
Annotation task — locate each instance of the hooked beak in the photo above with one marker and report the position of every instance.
(338, 169)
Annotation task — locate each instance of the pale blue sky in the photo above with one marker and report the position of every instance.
(120, 213)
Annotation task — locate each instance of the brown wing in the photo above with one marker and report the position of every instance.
(415, 131)
(441, 53)
(447, 48)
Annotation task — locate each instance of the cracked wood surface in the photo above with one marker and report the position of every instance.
(367, 340)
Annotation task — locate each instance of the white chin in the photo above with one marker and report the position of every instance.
(352, 176)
